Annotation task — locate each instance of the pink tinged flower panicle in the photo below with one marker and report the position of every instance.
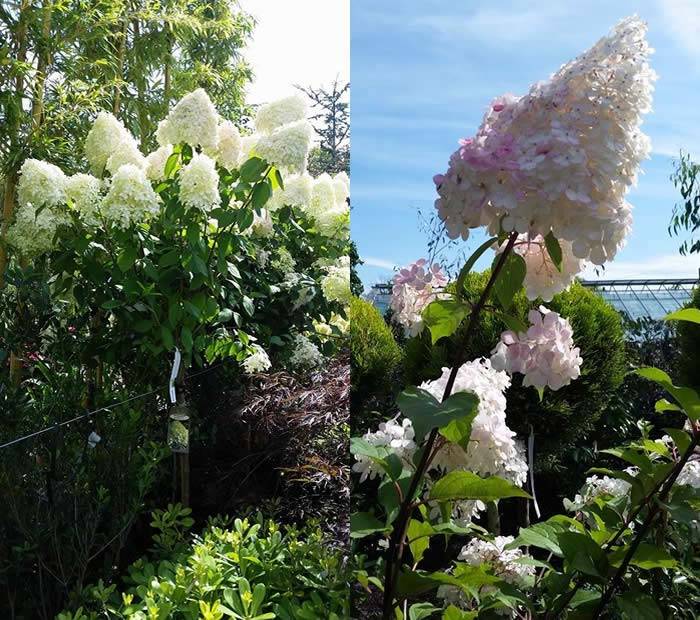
(545, 354)
(415, 286)
(561, 157)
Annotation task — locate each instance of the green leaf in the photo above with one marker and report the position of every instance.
(364, 524)
(170, 164)
(583, 554)
(464, 272)
(261, 194)
(427, 413)
(455, 613)
(248, 306)
(680, 438)
(685, 314)
(443, 317)
(512, 322)
(646, 557)
(510, 279)
(638, 606)
(418, 538)
(553, 249)
(466, 485)
(126, 258)
(663, 405)
(542, 535)
(167, 337)
(252, 169)
(685, 397)
(278, 179)
(186, 338)
(169, 258)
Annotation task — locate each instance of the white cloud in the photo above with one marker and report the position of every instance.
(382, 263)
(682, 19)
(664, 266)
(305, 42)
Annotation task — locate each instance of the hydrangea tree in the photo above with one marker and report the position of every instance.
(546, 175)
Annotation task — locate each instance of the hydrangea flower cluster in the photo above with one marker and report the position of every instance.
(493, 450)
(597, 486)
(415, 286)
(199, 183)
(194, 121)
(130, 198)
(155, 162)
(41, 184)
(561, 157)
(305, 354)
(273, 115)
(103, 139)
(84, 191)
(258, 361)
(545, 354)
(542, 278)
(336, 283)
(397, 437)
(228, 145)
(33, 231)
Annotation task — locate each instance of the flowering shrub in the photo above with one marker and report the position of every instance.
(546, 175)
(200, 245)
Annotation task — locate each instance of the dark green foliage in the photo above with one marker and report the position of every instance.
(565, 417)
(376, 359)
(689, 346)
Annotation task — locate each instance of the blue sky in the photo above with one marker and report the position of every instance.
(424, 71)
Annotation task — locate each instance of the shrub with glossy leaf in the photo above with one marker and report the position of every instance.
(564, 417)
(689, 343)
(376, 357)
(247, 569)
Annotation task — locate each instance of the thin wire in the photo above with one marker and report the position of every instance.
(58, 425)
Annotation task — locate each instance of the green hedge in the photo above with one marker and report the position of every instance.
(375, 354)
(689, 344)
(564, 418)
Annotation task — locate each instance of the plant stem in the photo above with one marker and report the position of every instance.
(653, 512)
(398, 534)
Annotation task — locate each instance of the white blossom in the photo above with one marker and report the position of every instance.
(600, 486)
(396, 437)
(545, 354)
(156, 161)
(130, 198)
(105, 136)
(84, 191)
(341, 187)
(280, 112)
(262, 225)
(126, 152)
(287, 147)
(542, 278)
(40, 184)
(503, 562)
(194, 121)
(415, 286)
(297, 191)
(199, 183)
(492, 448)
(562, 157)
(305, 355)
(228, 145)
(690, 474)
(284, 261)
(258, 361)
(336, 283)
(32, 232)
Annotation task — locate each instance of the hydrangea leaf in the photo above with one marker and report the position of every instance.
(443, 317)
(686, 397)
(583, 554)
(418, 533)
(458, 485)
(646, 557)
(553, 249)
(685, 314)
(426, 413)
(471, 261)
(364, 524)
(638, 606)
(510, 279)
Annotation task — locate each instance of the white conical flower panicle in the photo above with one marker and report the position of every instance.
(84, 191)
(199, 183)
(40, 184)
(194, 121)
(280, 112)
(155, 162)
(298, 190)
(336, 283)
(228, 145)
(258, 361)
(397, 437)
(103, 139)
(287, 147)
(492, 450)
(130, 199)
(545, 354)
(562, 157)
(33, 231)
(126, 152)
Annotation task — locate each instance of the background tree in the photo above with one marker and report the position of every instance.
(332, 124)
(686, 214)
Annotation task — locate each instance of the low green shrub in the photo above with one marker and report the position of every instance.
(689, 343)
(247, 569)
(376, 357)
